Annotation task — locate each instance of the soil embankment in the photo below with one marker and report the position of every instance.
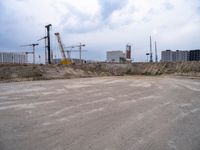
(47, 72)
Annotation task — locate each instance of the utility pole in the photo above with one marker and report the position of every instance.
(156, 52)
(48, 41)
(151, 55)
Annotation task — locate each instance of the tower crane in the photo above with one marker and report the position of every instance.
(150, 53)
(33, 52)
(156, 52)
(64, 60)
(80, 49)
(46, 48)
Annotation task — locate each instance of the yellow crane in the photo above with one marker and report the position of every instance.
(64, 60)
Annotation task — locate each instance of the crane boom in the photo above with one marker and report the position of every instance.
(61, 47)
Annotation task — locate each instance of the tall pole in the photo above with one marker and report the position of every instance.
(151, 55)
(49, 44)
(156, 52)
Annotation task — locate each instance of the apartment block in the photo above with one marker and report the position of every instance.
(174, 56)
(194, 55)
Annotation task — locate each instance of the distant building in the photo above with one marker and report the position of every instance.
(194, 55)
(182, 55)
(116, 56)
(13, 58)
(174, 56)
(167, 56)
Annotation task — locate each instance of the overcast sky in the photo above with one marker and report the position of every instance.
(101, 24)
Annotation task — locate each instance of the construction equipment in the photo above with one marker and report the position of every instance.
(80, 50)
(33, 52)
(46, 50)
(64, 60)
(48, 41)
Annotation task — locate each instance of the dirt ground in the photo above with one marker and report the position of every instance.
(103, 113)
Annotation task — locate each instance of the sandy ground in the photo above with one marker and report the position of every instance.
(110, 113)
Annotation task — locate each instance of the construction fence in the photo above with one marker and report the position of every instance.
(13, 58)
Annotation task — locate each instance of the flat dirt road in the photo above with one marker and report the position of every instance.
(109, 113)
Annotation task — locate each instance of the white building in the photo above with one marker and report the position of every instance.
(13, 58)
(167, 56)
(174, 56)
(116, 56)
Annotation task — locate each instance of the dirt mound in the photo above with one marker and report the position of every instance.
(46, 72)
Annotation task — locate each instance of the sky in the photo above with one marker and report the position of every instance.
(102, 25)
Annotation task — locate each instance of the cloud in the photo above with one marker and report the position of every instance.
(108, 7)
(102, 24)
(168, 5)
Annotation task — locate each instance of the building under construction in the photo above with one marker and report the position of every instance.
(13, 58)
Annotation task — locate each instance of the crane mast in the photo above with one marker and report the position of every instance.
(64, 60)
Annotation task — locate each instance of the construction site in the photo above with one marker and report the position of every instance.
(117, 104)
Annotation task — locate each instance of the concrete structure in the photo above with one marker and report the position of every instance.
(174, 56)
(13, 58)
(116, 56)
(194, 55)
